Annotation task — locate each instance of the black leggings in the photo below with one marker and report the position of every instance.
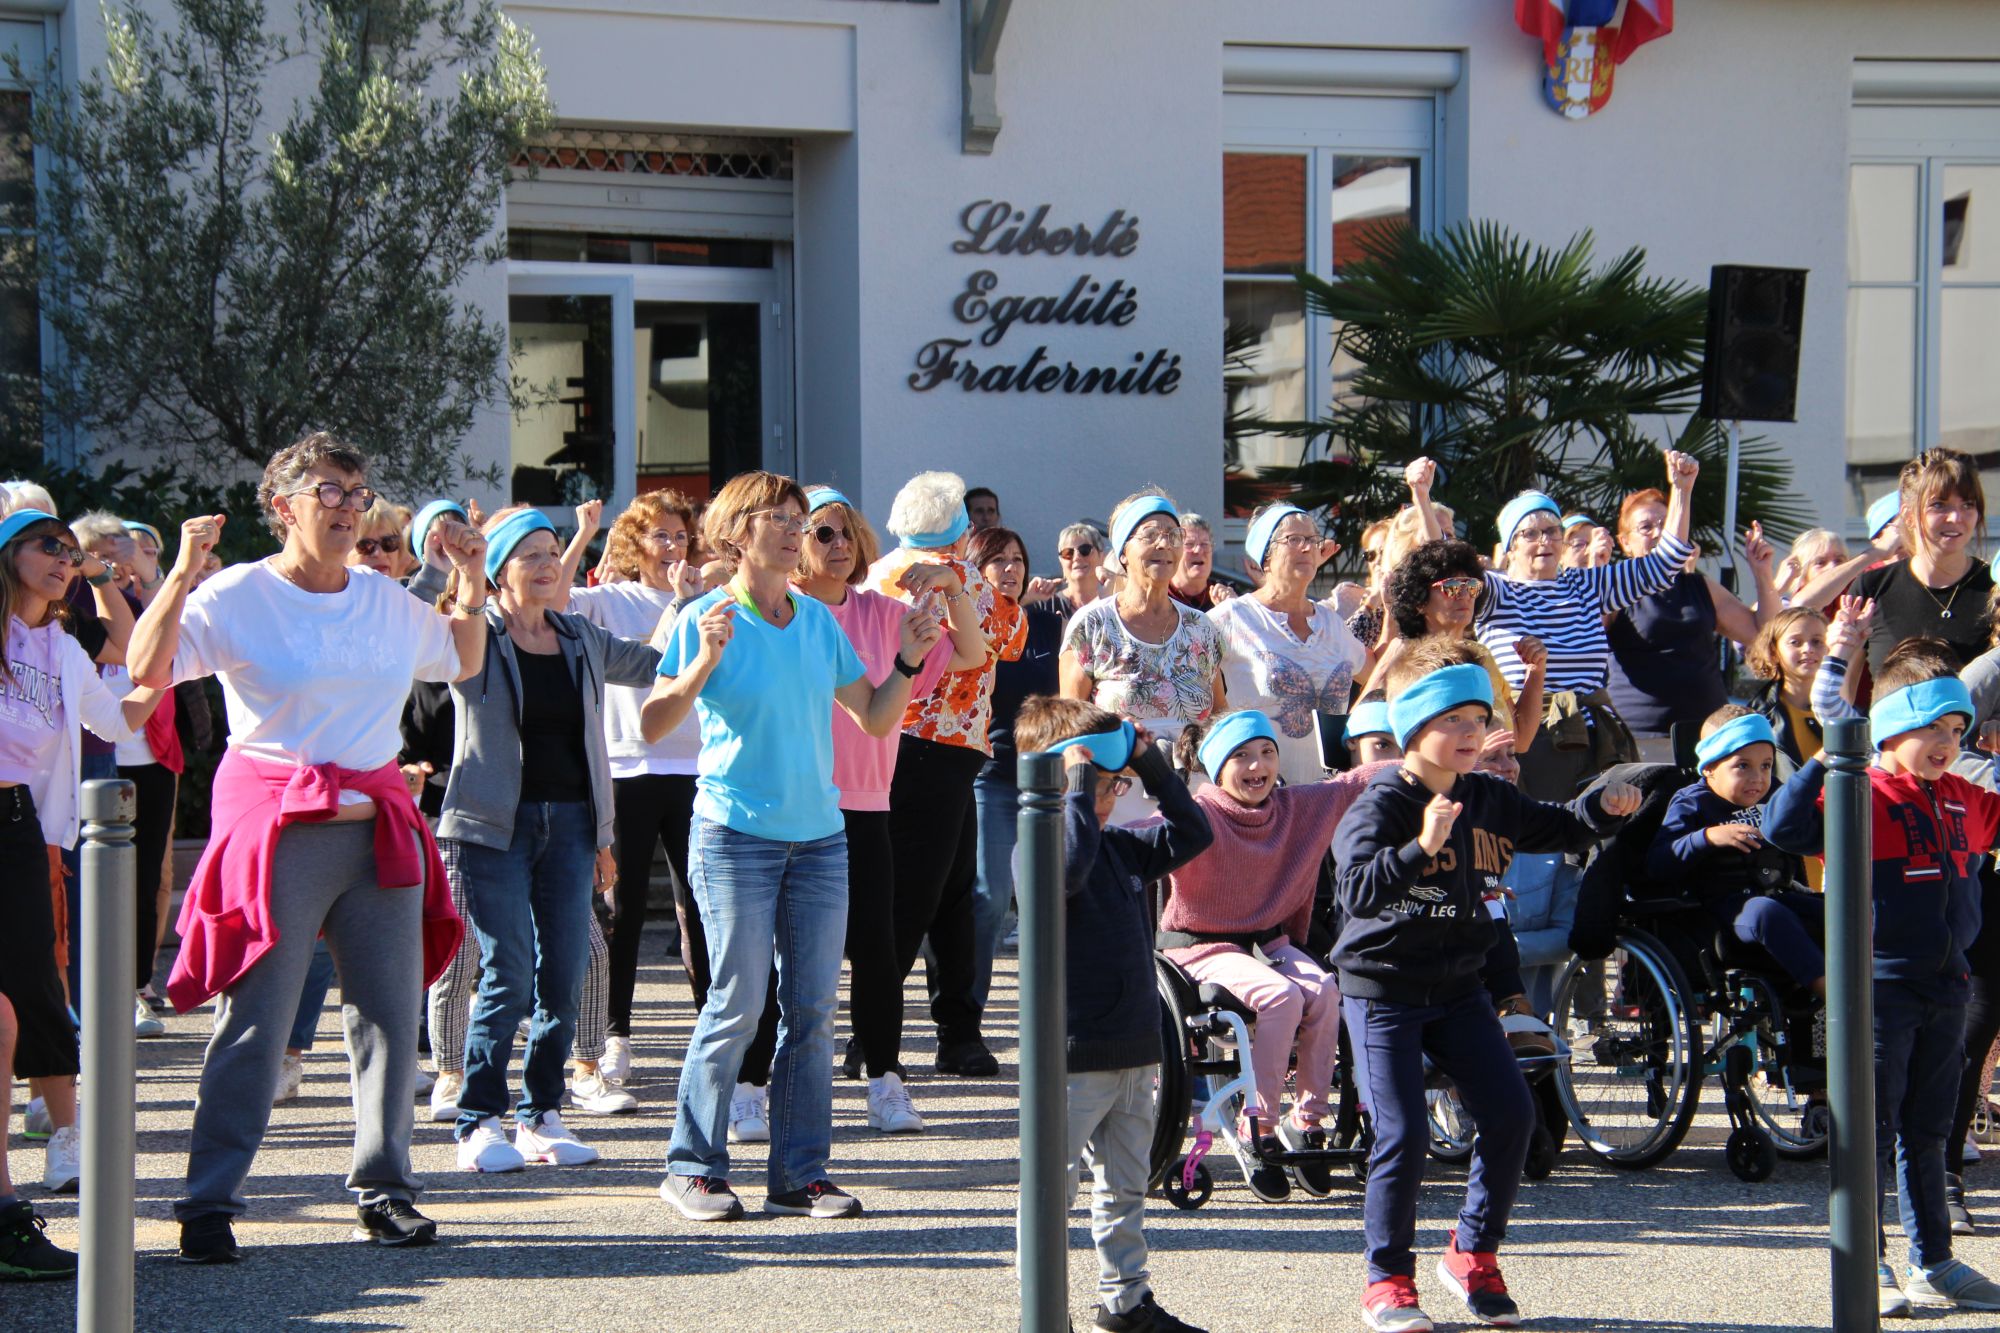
(29, 978)
(155, 788)
(875, 988)
(1982, 1015)
(647, 810)
(934, 828)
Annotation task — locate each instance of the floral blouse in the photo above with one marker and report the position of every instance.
(960, 708)
(1172, 682)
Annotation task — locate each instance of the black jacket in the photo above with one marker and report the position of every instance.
(1417, 931)
(427, 738)
(1114, 1008)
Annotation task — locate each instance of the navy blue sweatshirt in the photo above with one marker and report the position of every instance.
(1683, 857)
(1114, 1009)
(1417, 931)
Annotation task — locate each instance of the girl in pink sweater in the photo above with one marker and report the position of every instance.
(1237, 914)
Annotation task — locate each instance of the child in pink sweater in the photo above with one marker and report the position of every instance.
(1236, 914)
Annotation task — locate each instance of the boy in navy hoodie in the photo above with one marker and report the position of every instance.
(1930, 827)
(1114, 1041)
(1415, 857)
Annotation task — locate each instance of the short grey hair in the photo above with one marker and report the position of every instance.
(28, 495)
(1191, 521)
(288, 467)
(1112, 562)
(1081, 532)
(928, 502)
(97, 526)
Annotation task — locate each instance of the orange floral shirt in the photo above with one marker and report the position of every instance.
(960, 708)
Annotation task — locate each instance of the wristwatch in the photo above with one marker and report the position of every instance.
(98, 580)
(904, 667)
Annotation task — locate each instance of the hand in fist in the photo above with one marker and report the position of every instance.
(198, 537)
(1439, 816)
(1682, 469)
(1619, 799)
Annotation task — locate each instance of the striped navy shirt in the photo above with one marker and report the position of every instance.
(1567, 614)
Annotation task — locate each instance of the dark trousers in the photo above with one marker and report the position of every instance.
(155, 786)
(1464, 1040)
(1982, 1016)
(934, 826)
(1919, 1048)
(875, 985)
(647, 811)
(29, 978)
(1788, 925)
(757, 1056)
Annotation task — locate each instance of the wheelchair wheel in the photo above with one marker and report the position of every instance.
(1797, 1126)
(1541, 1155)
(1451, 1128)
(1173, 1092)
(1179, 1194)
(1633, 1079)
(1750, 1155)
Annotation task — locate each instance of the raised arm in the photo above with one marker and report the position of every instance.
(589, 518)
(878, 709)
(673, 695)
(1795, 822)
(465, 546)
(1418, 476)
(149, 658)
(1184, 833)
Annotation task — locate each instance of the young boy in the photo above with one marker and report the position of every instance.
(1930, 828)
(1710, 844)
(1114, 1043)
(1368, 738)
(1415, 858)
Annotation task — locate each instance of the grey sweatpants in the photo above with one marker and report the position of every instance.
(1111, 1129)
(322, 880)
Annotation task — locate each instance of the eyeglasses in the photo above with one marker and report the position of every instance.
(1536, 536)
(332, 495)
(1459, 586)
(1113, 786)
(388, 545)
(826, 534)
(1298, 541)
(1081, 551)
(1162, 534)
(58, 549)
(668, 538)
(783, 522)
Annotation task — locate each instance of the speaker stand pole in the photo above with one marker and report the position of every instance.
(1729, 498)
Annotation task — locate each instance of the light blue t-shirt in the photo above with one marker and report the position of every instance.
(766, 713)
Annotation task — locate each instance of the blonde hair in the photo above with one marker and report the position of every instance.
(727, 518)
(860, 535)
(1762, 656)
(1406, 534)
(624, 543)
(1807, 547)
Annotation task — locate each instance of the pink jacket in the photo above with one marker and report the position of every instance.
(225, 923)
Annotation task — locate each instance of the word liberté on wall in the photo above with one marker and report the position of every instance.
(996, 228)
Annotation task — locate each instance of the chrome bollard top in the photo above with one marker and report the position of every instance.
(109, 801)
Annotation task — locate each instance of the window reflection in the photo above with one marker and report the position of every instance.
(1373, 198)
(1263, 212)
(561, 363)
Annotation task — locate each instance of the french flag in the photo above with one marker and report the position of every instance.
(1643, 20)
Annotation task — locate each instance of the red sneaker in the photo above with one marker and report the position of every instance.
(1476, 1278)
(1390, 1306)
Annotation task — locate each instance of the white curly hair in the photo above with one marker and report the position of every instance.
(928, 502)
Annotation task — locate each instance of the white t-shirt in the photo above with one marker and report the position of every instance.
(635, 611)
(313, 678)
(133, 753)
(1266, 667)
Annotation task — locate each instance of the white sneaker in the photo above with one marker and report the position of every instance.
(143, 1022)
(62, 1161)
(889, 1107)
(552, 1142)
(594, 1094)
(486, 1149)
(290, 1075)
(426, 1080)
(444, 1097)
(616, 1063)
(35, 1124)
(1969, 1153)
(749, 1115)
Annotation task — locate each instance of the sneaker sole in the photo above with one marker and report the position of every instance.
(553, 1159)
(582, 1108)
(813, 1210)
(67, 1187)
(426, 1236)
(1947, 1303)
(733, 1214)
(183, 1257)
(1450, 1279)
(876, 1124)
(443, 1115)
(734, 1137)
(1423, 1324)
(479, 1170)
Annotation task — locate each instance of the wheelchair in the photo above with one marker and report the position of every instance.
(1658, 1000)
(1451, 1127)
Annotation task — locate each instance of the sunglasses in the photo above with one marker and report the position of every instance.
(386, 545)
(1457, 587)
(58, 549)
(1082, 552)
(1116, 786)
(332, 495)
(826, 534)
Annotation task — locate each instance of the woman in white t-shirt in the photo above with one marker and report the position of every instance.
(313, 829)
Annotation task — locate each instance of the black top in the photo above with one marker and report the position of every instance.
(553, 766)
(428, 726)
(1034, 673)
(1667, 662)
(1905, 608)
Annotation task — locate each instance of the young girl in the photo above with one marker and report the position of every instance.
(1786, 655)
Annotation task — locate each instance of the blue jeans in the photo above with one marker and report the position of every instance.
(1919, 1049)
(756, 896)
(993, 892)
(529, 908)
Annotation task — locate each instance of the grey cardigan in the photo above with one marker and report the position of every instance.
(484, 790)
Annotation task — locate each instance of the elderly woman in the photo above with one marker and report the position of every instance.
(313, 828)
(1564, 611)
(382, 543)
(527, 817)
(1667, 663)
(763, 668)
(933, 818)
(1586, 544)
(1191, 584)
(1434, 592)
(1080, 555)
(53, 693)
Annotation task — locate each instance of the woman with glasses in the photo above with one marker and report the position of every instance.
(381, 543)
(1080, 555)
(763, 668)
(1563, 610)
(1192, 583)
(1434, 591)
(313, 829)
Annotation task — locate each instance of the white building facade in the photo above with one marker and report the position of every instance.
(787, 233)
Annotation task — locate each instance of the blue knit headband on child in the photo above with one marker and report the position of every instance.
(513, 530)
(1917, 706)
(1109, 750)
(1369, 719)
(1230, 734)
(1439, 692)
(1732, 736)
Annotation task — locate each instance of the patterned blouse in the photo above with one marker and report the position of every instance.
(960, 708)
(1172, 682)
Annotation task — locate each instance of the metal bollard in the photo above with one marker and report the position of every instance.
(110, 940)
(1850, 1024)
(1044, 1216)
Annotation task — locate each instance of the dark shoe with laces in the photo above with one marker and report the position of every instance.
(1269, 1182)
(822, 1198)
(702, 1198)
(26, 1253)
(850, 1063)
(394, 1222)
(208, 1240)
(1954, 1206)
(968, 1059)
(1146, 1317)
(1475, 1276)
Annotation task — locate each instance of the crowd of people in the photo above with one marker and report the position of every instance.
(455, 745)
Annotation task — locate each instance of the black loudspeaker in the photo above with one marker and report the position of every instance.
(1750, 365)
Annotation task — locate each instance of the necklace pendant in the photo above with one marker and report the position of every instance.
(1945, 614)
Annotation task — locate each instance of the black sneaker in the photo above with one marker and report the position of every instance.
(26, 1253)
(1272, 1184)
(968, 1059)
(1954, 1206)
(850, 1063)
(822, 1198)
(394, 1222)
(208, 1240)
(1147, 1317)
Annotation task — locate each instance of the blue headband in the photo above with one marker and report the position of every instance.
(1883, 512)
(1733, 735)
(1517, 509)
(1917, 706)
(420, 526)
(1439, 692)
(1109, 750)
(20, 521)
(1578, 520)
(135, 527)
(1369, 719)
(1258, 543)
(819, 497)
(1994, 569)
(1227, 736)
(513, 530)
(945, 536)
(1136, 513)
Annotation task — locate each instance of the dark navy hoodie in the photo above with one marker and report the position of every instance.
(1417, 931)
